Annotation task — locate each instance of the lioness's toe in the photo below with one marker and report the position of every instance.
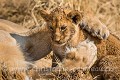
(100, 32)
(103, 33)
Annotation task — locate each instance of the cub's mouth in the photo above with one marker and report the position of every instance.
(59, 42)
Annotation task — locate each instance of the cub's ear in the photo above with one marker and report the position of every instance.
(45, 15)
(75, 15)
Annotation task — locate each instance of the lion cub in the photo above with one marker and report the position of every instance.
(66, 32)
(83, 56)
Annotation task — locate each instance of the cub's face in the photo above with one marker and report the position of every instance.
(61, 28)
(61, 25)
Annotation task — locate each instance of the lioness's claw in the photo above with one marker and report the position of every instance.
(102, 33)
(96, 29)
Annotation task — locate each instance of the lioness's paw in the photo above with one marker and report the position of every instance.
(96, 28)
(100, 31)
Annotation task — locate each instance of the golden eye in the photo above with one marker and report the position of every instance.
(63, 28)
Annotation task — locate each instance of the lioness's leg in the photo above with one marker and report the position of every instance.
(109, 67)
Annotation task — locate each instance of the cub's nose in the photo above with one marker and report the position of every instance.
(57, 39)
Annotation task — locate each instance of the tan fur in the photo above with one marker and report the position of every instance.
(111, 66)
(11, 57)
(10, 52)
(83, 56)
(30, 40)
(67, 33)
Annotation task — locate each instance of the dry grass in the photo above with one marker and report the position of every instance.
(26, 13)
(108, 11)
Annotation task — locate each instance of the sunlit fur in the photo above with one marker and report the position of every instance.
(10, 54)
(83, 56)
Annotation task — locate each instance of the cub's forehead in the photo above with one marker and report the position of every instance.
(58, 14)
(59, 18)
(58, 10)
(59, 21)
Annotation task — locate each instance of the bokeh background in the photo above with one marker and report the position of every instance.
(26, 12)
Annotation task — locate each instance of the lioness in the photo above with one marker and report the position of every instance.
(11, 57)
(66, 30)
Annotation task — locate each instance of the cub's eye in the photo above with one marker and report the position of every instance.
(51, 28)
(63, 28)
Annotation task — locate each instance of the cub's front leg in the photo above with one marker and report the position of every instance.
(94, 26)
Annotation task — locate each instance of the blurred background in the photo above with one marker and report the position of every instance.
(26, 12)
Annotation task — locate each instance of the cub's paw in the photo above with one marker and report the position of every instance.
(95, 27)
